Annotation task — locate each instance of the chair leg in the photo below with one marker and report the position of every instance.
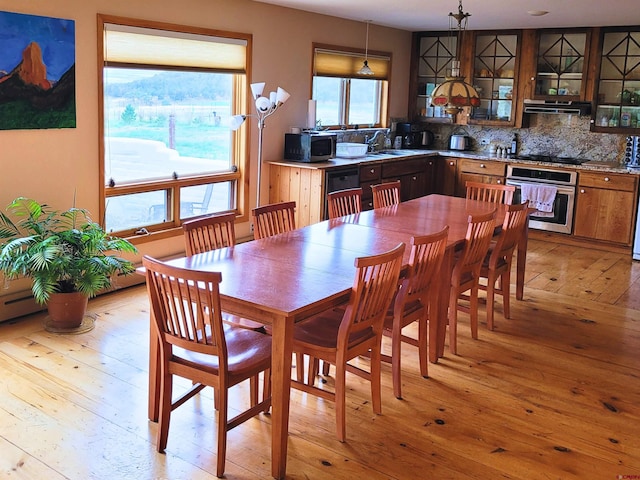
(340, 397)
(300, 367)
(491, 284)
(253, 390)
(453, 320)
(396, 353)
(423, 342)
(375, 374)
(166, 390)
(222, 430)
(266, 389)
(313, 370)
(506, 293)
(325, 368)
(473, 314)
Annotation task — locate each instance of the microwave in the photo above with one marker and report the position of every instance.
(309, 146)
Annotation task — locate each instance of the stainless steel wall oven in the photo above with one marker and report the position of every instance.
(562, 218)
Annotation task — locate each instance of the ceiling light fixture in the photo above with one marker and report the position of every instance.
(365, 70)
(454, 93)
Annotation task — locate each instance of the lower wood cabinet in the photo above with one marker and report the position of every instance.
(606, 207)
(483, 171)
(446, 176)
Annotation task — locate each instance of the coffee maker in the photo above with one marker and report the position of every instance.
(414, 135)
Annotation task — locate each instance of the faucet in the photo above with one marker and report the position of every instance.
(373, 141)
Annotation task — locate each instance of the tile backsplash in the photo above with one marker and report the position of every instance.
(560, 135)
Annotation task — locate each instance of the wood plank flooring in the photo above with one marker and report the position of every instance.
(553, 393)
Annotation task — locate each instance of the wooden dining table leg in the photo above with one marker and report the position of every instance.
(281, 351)
(439, 328)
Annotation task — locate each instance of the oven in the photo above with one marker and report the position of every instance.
(562, 218)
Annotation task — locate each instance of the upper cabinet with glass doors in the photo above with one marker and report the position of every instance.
(618, 87)
(433, 53)
(495, 66)
(561, 61)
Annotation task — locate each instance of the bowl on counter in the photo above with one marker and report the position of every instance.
(351, 150)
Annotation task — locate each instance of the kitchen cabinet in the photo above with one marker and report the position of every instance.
(618, 87)
(484, 171)
(432, 53)
(555, 65)
(446, 176)
(306, 186)
(370, 174)
(605, 207)
(415, 176)
(494, 67)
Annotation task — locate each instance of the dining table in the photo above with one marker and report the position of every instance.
(286, 278)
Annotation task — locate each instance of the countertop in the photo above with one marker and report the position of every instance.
(403, 154)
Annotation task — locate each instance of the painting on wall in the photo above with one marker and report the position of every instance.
(37, 72)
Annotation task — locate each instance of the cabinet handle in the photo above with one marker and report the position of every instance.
(582, 190)
(372, 171)
(482, 165)
(452, 163)
(606, 179)
(414, 178)
(499, 182)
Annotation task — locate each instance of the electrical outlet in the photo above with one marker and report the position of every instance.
(251, 227)
(484, 141)
(437, 136)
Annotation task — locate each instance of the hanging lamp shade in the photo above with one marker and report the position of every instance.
(454, 93)
(365, 69)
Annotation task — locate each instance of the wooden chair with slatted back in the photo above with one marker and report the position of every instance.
(272, 219)
(209, 233)
(339, 335)
(414, 301)
(466, 272)
(386, 194)
(490, 192)
(497, 263)
(196, 345)
(344, 202)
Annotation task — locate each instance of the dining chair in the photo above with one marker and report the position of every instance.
(339, 335)
(490, 192)
(413, 302)
(344, 202)
(497, 263)
(466, 272)
(195, 344)
(386, 194)
(211, 233)
(273, 219)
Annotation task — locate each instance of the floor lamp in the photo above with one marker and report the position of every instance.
(265, 106)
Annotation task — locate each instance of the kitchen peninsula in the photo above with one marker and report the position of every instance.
(605, 204)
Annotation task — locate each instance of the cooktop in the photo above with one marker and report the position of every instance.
(552, 159)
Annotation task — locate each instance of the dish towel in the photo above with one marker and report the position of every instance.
(540, 197)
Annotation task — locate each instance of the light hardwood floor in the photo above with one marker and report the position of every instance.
(553, 393)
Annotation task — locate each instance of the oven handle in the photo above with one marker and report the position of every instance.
(562, 189)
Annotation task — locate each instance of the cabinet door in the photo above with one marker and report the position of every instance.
(603, 214)
(495, 67)
(431, 58)
(413, 186)
(446, 177)
(618, 88)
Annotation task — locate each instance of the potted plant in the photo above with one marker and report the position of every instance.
(68, 257)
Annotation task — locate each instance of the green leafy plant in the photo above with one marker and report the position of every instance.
(61, 251)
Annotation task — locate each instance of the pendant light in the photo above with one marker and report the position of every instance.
(365, 70)
(454, 93)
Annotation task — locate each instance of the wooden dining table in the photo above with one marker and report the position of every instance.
(286, 278)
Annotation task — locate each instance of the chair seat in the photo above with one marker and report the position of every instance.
(247, 351)
(321, 331)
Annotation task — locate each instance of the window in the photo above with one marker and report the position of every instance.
(343, 97)
(167, 94)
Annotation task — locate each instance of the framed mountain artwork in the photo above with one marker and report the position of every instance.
(37, 72)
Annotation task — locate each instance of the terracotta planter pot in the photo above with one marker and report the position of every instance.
(66, 310)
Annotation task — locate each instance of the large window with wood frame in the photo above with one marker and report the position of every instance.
(345, 98)
(167, 93)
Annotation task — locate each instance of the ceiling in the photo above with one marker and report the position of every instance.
(418, 15)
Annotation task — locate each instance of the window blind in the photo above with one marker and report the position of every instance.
(128, 45)
(335, 63)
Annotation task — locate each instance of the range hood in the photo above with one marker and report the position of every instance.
(556, 107)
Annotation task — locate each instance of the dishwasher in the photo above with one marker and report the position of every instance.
(340, 179)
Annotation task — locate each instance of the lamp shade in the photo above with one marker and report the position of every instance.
(454, 94)
(236, 121)
(282, 95)
(257, 89)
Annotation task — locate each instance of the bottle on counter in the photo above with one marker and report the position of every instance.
(514, 144)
